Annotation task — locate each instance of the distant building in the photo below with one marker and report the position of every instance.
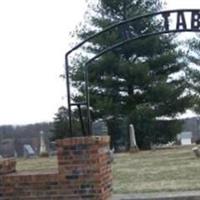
(192, 125)
(7, 148)
(185, 138)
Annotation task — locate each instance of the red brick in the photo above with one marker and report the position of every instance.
(84, 172)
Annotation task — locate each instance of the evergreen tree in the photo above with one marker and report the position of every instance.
(60, 128)
(61, 124)
(193, 73)
(135, 82)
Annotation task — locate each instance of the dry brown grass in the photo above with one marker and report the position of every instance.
(36, 164)
(152, 171)
(147, 171)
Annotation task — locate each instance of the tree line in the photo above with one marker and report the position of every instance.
(25, 131)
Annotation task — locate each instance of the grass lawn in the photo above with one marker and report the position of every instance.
(36, 164)
(145, 171)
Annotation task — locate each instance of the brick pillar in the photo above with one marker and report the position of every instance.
(7, 166)
(85, 168)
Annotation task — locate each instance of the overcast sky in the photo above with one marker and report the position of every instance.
(34, 36)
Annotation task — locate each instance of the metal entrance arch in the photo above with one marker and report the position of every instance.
(183, 24)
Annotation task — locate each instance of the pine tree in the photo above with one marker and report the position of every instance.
(135, 82)
(60, 128)
(193, 73)
(60, 124)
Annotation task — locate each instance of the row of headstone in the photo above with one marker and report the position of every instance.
(99, 128)
(29, 152)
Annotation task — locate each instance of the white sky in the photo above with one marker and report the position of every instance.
(34, 36)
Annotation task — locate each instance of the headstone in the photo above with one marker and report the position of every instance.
(99, 128)
(133, 144)
(52, 148)
(43, 149)
(28, 151)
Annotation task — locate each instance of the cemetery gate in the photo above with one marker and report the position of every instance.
(182, 24)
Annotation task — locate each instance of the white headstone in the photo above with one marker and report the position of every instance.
(133, 144)
(43, 149)
(28, 151)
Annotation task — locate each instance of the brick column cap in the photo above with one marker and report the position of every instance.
(7, 166)
(83, 140)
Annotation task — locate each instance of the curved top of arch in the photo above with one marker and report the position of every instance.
(186, 20)
(132, 40)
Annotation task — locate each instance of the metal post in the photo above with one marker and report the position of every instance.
(68, 93)
(87, 100)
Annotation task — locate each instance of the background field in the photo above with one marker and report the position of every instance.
(145, 171)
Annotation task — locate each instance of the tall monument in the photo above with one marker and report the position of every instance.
(133, 143)
(43, 149)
